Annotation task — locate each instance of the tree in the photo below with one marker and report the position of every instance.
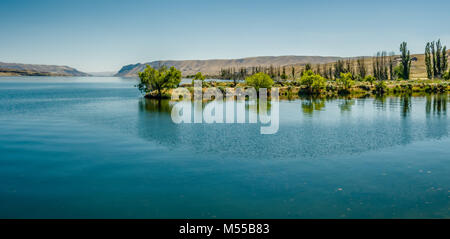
(392, 75)
(259, 80)
(349, 66)
(370, 79)
(308, 67)
(362, 70)
(406, 60)
(446, 75)
(380, 87)
(283, 75)
(436, 59)
(152, 79)
(314, 83)
(398, 72)
(339, 68)
(345, 81)
(380, 66)
(444, 61)
(428, 60)
(433, 51)
(199, 76)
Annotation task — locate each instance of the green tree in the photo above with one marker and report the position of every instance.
(433, 52)
(362, 70)
(438, 58)
(345, 81)
(308, 67)
(259, 80)
(339, 68)
(398, 72)
(283, 75)
(428, 60)
(199, 76)
(380, 87)
(392, 64)
(370, 79)
(314, 83)
(446, 75)
(444, 61)
(406, 60)
(158, 80)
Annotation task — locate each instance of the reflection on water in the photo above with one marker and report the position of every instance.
(405, 102)
(309, 105)
(75, 148)
(155, 106)
(346, 105)
(365, 123)
(380, 102)
(436, 105)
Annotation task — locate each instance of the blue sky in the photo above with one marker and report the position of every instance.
(104, 35)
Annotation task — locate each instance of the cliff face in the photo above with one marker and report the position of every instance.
(38, 70)
(212, 67)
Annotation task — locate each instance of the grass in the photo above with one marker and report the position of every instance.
(290, 89)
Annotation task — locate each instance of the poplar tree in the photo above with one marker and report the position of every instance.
(444, 61)
(433, 52)
(428, 60)
(362, 70)
(438, 58)
(406, 60)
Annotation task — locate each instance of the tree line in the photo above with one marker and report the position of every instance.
(385, 66)
(436, 59)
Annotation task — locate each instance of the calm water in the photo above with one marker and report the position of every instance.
(93, 148)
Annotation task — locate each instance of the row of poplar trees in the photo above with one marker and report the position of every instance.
(436, 59)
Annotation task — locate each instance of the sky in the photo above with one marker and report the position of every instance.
(104, 35)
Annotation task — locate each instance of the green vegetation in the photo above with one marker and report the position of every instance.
(199, 77)
(313, 83)
(259, 80)
(446, 75)
(158, 80)
(380, 88)
(389, 74)
(345, 82)
(370, 79)
(405, 62)
(436, 59)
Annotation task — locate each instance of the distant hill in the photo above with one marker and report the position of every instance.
(212, 67)
(102, 74)
(15, 69)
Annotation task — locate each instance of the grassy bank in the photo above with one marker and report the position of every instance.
(292, 89)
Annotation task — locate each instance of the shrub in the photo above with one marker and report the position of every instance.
(380, 87)
(370, 79)
(259, 80)
(345, 83)
(446, 75)
(314, 83)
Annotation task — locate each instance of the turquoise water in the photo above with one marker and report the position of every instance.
(93, 148)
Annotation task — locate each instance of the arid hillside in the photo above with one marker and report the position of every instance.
(213, 67)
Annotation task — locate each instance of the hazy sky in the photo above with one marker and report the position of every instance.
(104, 35)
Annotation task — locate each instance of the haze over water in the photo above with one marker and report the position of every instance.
(93, 148)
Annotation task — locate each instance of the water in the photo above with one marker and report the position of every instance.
(93, 148)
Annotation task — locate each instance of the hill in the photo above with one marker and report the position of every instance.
(15, 69)
(212, 67)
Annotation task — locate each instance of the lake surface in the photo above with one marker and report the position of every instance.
(93, 148)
